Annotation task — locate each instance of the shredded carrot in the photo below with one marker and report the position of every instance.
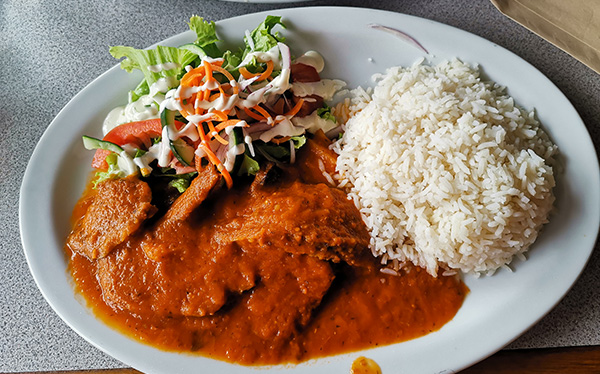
(215, 134)
(205, 86)
(261, 76)
(225, 124)
(262, 111)
(253, 115)
(207, 70)
(295, 109)
(245, 73)
(281, 140)
(268, 71)
(212, 157)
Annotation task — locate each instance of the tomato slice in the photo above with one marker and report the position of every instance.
(138, 133)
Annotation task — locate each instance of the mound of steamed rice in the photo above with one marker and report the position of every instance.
(446, 170)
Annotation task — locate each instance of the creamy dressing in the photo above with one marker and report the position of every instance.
(313, 122)
(146, 107)
(163, 85)
(142, 109)
(164, 150)
(143, 162)
(271, 55)
(232, 153)
(125, 163)
(165, 66)
(312, 58)
(326, 88)
(284, 128)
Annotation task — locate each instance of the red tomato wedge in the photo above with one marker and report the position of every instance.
(138, 133)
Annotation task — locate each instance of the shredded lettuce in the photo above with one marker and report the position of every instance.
(263, 38)
(113, 171)
(249, 166)
(144, 59)
(206, 36)
(325, 113)
(181, 184)
(299, 141)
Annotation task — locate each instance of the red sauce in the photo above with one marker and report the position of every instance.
(282, 303)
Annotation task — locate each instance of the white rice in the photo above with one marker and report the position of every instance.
(445, 169)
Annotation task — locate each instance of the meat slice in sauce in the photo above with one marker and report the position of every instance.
(118, 209)
(196, 282)
(299, 218)
(267, 320)
(220, 254)
(316, 160)
(288, 292)
(160, 242)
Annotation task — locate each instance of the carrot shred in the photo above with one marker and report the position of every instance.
(281, 140)
(215, 134)
(212, 157)
(268, 71)
(246, 74)
(295, 109)
(228, 123)
(261, 76)
(207, 70)
(253, 115)
(262, 111)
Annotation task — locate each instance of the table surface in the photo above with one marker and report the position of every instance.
(51, 50)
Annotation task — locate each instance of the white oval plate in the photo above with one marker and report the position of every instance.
(498, 309)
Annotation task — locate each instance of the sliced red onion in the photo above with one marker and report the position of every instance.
(221, 152)
(402, 35)
(244, 83)
(334, 132)
(292, 152)
(249, 40)
(286, 56)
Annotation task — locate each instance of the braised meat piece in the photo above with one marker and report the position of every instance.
(159, 242)
(196, 282)
(288, 292)
(298, 218)
(118, 209)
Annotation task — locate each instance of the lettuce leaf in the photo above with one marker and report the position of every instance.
(325, 113)
(249, 166)
(113, 171)
(143, 59)
(262, 37)
(206, 36)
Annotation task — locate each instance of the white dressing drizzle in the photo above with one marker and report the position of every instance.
(325, 88)
(312, 58)
(165, 66)
(231, 154)
(313, 122)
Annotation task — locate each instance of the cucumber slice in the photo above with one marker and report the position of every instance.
(237, 148)
(167, 118)
(182, 151)
(91, 143)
